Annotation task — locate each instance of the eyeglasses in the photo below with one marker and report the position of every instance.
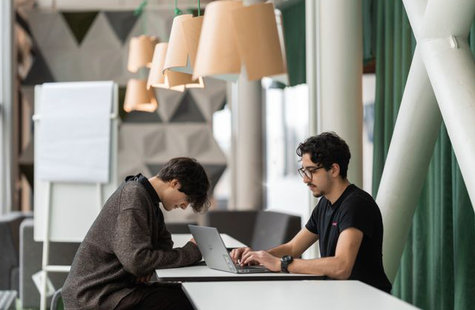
(308, 172)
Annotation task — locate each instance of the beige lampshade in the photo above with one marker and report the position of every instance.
(138, 97)
(168, 79)
(177, 53)
(192, 31)
(177, 79)
(183, 43)
(217, 54)
(141, 52)
(284, 77)
(156, 78)
(260, 51)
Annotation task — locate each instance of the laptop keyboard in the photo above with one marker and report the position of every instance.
(251, 269)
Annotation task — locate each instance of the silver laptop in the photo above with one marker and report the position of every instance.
(215, 253)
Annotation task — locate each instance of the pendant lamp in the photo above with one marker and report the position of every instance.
(156, 78)
(284, 77)
(141, 52)
(217, 54)
(178, 61)
(138, 97)
(260, 51)
(166, 78)
(233, 36)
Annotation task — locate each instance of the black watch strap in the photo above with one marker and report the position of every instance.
(285, 261)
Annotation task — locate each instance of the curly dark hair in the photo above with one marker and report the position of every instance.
(326, 149)
(193, 180)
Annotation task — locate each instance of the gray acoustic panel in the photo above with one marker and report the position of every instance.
(154, 143)
(168, 101)
(180, 126)
(121, 22)
(79, 23)
(39, 72)
(100, 52)
(187, 111)
(211, 98)
(214, 173)
(155, 168)
(142, 117)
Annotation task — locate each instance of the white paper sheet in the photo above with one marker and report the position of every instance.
(74, 132)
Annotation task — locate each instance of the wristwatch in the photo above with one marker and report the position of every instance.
(285, 261)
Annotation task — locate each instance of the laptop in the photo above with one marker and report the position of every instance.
(216, 254)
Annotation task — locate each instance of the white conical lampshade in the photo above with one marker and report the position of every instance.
(140, 52)
(138, 97)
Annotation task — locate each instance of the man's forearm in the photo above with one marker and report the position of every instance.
(332, 267)
(281, 250)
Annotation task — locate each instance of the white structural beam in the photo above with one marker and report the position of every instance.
(248, 143)
(412, 145)
(451, 68)
(419, 117)
(6, 104)
(340, 76)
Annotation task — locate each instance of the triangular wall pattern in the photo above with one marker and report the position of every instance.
(79, 23)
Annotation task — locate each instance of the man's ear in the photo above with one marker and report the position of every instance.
(175, 184)
(335, 170)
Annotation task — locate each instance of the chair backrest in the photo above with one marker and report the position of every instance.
(62, 253)
(274, 228)
(237, 224)
(57, 300)
(179, 228)
(9, 245)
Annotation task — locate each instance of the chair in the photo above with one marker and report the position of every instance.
(179, 228)
(274, 228)
(57, 300)
(30, 263)
(9, 245)
(7, 300)
(237, 224)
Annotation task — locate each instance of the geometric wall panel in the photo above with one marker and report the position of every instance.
(181, 126)
(79, 23)
(142, 117)
(39, 72)
(211, 98)
(121, 22)
(187, 111)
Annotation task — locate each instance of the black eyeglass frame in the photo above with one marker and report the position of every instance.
(308, 171)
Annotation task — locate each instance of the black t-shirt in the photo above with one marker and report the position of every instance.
(355, 208)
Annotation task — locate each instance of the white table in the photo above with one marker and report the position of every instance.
(179, 240)
(202, 273)
(289, 295)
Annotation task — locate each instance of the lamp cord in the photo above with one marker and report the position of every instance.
(177, 10)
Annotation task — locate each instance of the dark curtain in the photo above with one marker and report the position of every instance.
(437, 269)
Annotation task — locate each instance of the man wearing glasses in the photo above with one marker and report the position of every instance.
(346, 222)
(129, 240)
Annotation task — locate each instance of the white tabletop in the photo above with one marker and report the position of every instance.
(179, 240)
(289, 295)
(203, 273)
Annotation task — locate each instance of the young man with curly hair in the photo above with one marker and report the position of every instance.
(129, 240)
(346, 222)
